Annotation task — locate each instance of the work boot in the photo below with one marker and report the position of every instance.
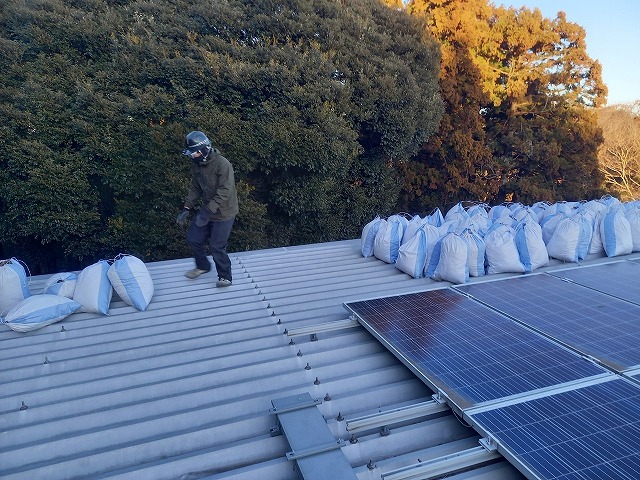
(223, 282)
(195, 273)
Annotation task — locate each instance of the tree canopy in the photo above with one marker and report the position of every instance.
(312, 101)
(520, 91)
(331, 112)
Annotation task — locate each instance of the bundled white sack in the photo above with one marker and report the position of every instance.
(388, 238)
(478, 209)
(369, 236)
(435, 218)
(633, 215)
(456, 213)
(433, 239)
(412, 255)
(610, 201)
(479, 220)
(571, 239)
(411, 228)
(453, 257)
(448, 226)
(39, 311)
(539, 208)
(549, 224)
(524, 214)
(531, 248)
(502, 253)
(615, 232)
(63, 283)
(131, 280)
(499, 211)
(477, 252)
(93, 288)
(13, 284)
(596, 247)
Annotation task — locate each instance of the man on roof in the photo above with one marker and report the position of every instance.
(212, 196)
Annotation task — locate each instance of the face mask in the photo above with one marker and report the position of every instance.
(197, 156)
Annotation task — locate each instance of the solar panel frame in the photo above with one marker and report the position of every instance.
(592, 323)
(467, 351)
(618, 279)
(584, 433)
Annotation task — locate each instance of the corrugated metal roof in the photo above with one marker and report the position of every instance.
(184, 389)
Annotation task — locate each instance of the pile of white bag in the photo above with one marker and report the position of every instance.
(509, 238)
(65, 293)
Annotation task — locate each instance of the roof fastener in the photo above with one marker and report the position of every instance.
(317, 381)
(339, 418)
(327, 398)
(299, 353)
(307, 367)
(24, 406)
(353, 439)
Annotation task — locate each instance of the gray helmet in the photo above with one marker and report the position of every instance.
(197, 142)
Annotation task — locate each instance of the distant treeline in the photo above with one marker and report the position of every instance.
(331, 113)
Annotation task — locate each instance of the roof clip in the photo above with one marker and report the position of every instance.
(439, 397)
(489, 444)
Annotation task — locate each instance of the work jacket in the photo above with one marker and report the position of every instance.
(215, 185)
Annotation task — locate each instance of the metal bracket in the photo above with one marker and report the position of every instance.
(315, 450)
(303, 404)
(439, 397)
(489, 444)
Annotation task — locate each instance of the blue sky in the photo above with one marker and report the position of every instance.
(612, 38)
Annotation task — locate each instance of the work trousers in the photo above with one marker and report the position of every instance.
(217, 233)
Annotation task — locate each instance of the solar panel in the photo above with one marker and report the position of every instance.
(619, 279)
(465, 349)
(588, 433)
(593, 323)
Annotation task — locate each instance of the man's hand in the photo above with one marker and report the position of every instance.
(203, 217)
(183, 216)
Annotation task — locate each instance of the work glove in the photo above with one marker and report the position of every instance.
(183, 216)
(203, 217)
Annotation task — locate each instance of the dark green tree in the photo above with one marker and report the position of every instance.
(314, 102)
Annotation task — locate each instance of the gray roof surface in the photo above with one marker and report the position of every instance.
(183, 390)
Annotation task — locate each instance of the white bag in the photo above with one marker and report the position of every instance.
(412, 227)
(549, 224)
(435, 218)
(93, 288)
(564, 242)
(615, 232)
(457, 214)
(531, 248)
(388, 238)
(453, 260)
(131, 281)
(39, 311)
(412, 255)
(63, 284)
(13, 284)
(502, 253)
(369, 236)
(477, 253)
(633, 215)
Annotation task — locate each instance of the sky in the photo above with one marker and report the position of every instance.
(613, 38)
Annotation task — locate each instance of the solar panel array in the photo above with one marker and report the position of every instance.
(466, 350)
(545, 365)
(582, 434)
(594, 323)
(619, 279)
